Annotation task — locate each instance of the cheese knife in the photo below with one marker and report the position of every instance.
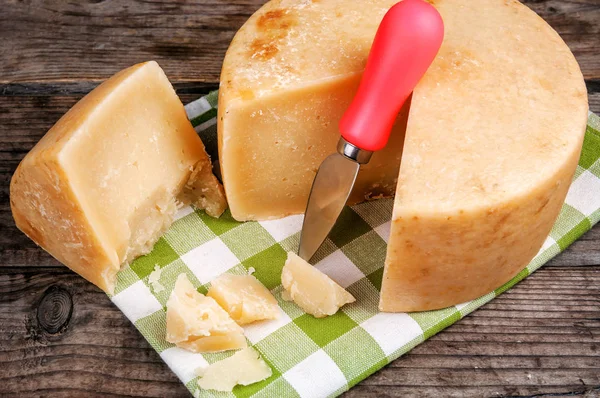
(404, 47)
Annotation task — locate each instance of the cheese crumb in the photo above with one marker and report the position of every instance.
(197, 323)
(203, 190)
(313, 291)
(286, 296)
(251, 270)
(244, 298)
(244, 367)
(154, 278)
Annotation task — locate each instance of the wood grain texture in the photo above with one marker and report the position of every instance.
(100, 37)
(61, 337)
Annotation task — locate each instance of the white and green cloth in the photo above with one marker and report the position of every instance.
(314, 357)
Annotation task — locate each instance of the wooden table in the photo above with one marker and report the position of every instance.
(61, 336)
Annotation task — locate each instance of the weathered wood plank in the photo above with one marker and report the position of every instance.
(188, 38)
(512, 346)
(83, 87)
(468, 391)
(100, 37)
(474, 378)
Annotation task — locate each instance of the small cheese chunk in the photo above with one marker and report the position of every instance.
(244, 367)
(103, 184)
(313, 291)
(154, 279)
(244, 298)
(197, 323)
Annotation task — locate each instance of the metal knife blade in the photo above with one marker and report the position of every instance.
(405, 44)
(329, 193)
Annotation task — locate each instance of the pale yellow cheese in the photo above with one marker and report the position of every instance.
(287, 78)
(244, 298)
(244, 367)
(492, 141)
(494, 136)
(316, 293)
(104, 182)
(154, 279)
(197, 323)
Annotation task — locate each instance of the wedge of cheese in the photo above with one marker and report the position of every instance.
(197, 323)
(103, 184)
(245, 367)
(316, 293)
(244, 298)
(492, 140)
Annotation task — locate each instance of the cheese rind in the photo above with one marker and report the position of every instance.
(105, 181)
(492, 141)
(316, 293)
(197, 323)
(245, 367)
(244, 298)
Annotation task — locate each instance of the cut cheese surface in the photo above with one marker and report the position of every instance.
(287, 78)
(492, 140)
(104, 182)
(316, 293)
(197, 323)
(244, 367)
(244, 298)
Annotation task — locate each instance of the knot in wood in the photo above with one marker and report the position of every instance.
(55, 309)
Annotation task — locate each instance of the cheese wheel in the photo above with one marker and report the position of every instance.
(492, 140)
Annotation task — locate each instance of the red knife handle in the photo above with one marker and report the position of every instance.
(405, 45)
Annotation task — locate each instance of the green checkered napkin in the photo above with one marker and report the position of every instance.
(314, 357)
